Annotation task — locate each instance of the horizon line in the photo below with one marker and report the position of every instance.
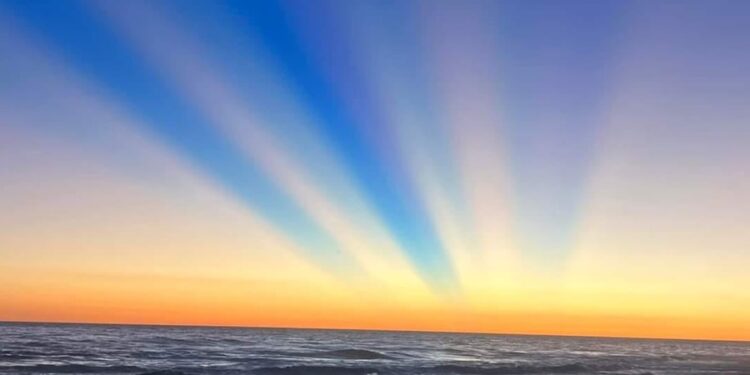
(187, 325)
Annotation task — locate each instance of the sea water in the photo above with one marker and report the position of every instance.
(113, 349)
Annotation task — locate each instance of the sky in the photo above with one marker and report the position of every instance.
(536, 167)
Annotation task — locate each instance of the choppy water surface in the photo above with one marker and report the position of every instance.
(93, 349)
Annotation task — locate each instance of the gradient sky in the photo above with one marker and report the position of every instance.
(556, 167)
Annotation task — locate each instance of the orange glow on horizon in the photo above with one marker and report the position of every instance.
(216, 302)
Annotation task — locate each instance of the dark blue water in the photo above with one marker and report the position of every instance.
(95, 349)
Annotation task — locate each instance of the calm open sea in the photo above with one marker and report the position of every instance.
(94, 349)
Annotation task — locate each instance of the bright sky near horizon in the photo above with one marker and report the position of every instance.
(553, 167)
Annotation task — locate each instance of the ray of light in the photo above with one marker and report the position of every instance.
(463, 49)
(668, 158)
(555, 66)
(351, 124)
(313, 177)
(90, 46)
(401, 85)
(93, 184)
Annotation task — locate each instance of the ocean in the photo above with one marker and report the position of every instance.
(159, 350)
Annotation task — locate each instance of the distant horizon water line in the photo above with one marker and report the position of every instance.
(437, 332)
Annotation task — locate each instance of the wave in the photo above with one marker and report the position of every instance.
(573, 368)
(315, 370)
(70, 369)
(510, 369)
(8, 355)
(349, 354)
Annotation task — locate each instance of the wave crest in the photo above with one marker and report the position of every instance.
(350, 354)
(315, 370)
(510, 369)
